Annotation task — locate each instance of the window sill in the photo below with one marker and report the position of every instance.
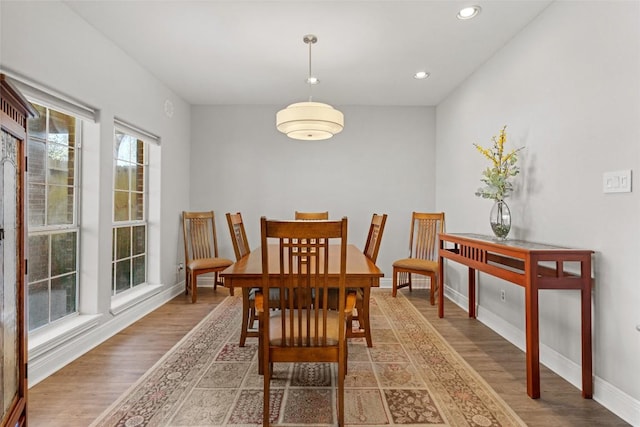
(48, 338)
(126, 300)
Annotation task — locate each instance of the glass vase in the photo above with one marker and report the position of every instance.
(500, 219)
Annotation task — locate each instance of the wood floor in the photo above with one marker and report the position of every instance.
(78, 393)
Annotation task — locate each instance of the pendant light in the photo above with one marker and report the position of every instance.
(310, 121)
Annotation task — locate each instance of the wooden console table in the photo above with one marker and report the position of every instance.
(533, 266)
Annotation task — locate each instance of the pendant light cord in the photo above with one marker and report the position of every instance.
(309, 76)
(310, 39)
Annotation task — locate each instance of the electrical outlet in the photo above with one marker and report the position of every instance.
(503, 295)
(180, 267)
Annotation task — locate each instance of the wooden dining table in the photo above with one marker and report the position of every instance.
(361, 271)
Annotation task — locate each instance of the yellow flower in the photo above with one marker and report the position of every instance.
(503, 167)
(484, 151)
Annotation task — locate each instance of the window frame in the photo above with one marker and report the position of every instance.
(131, 223)
(51, 230)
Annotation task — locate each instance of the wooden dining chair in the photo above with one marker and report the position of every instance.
(201, 250)
(311, 216)
(318, 216)
(241, 249)
(423, 252)
(371, 249)
(304, 329)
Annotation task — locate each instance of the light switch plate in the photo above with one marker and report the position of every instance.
(617, 181)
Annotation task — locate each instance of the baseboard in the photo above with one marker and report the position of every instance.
(49, 362)
(612, 398)
(386, 283)
(456, 297)
(616, 401)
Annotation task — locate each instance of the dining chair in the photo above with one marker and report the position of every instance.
(312, 216)
(304, 329)
(317, 216)
(371, 249)
(201, 250)
(423, 252)
(241, 249)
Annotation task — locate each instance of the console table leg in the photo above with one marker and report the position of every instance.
(532, 330)
(472, 293)
(587, 368)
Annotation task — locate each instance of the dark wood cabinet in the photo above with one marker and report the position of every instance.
(14, 112)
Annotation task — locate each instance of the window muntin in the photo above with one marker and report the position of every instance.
(129, 239)
(52, 184)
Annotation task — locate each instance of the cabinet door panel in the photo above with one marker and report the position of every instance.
(14, 111)
(9, 333)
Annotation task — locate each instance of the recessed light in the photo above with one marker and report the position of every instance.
(421, 75)
(468, 12)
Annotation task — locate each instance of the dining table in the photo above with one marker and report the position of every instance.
(361, 272)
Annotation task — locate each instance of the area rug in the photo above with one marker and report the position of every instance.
(410, 377)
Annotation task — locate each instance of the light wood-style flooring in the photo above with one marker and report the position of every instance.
(81, 391)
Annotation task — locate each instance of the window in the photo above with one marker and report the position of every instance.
(52, 182)
(129, 240)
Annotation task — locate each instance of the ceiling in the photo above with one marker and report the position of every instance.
(251, 52)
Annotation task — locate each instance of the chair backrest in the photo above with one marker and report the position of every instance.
(425, 228)
(238, 235)
(372, 246)
(313, 216)
(199, 230)
(304, 280)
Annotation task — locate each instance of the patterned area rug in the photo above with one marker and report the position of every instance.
(410, 377)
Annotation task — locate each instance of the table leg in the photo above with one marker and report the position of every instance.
(587, 373)
(532, 330)
(365, 315)
(245, 315)
(472, 293)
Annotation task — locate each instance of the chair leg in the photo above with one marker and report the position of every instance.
(260, 345)
(401, 279)
(186, 281)
(342, 368)
(194, 287)
(394, 292)
(246, 313)
(266, 401)
(252, 316)
(346, 358)
(433, 284)
(359, 311)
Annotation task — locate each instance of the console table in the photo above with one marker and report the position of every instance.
(533, 266)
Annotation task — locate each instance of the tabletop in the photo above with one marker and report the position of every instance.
(247, 271)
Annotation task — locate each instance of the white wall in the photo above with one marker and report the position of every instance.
(568, 89)
(383, 161)
(50, 45)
